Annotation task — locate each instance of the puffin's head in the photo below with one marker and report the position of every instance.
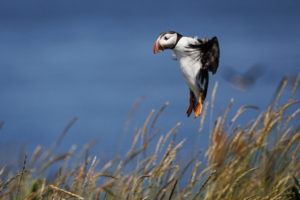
(166, 40)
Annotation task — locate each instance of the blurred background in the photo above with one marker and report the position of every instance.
(94, 59)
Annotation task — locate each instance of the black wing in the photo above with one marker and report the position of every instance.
(209, 53)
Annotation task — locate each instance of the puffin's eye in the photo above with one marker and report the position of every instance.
(166, 38)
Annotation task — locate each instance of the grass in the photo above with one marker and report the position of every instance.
(260, 160)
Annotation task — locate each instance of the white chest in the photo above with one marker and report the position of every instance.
(189, 67)
(189, 62)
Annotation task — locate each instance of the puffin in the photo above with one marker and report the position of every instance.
(196, 58)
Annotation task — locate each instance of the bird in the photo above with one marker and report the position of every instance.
(196, 59)
(243, 81)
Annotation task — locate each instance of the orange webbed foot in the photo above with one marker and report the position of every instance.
(198, 109)
(191, 106)
(189, 110)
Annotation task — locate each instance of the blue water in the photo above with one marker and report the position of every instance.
(93, 60)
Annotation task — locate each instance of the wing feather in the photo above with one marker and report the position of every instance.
(209, 53)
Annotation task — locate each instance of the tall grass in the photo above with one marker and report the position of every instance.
(260, 160)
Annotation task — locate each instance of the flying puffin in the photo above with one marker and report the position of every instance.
(196, 58)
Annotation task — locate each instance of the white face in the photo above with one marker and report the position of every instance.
(167, 40)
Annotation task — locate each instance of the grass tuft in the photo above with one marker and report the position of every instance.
(258, 160)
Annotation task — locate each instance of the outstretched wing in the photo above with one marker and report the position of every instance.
(209, 53)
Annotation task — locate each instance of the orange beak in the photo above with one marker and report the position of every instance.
(157, 47)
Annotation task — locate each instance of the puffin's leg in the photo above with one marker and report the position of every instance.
(190, 109)
(198, 109)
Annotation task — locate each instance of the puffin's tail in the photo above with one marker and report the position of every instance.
(202, 81)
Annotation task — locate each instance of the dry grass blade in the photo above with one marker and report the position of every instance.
(213, 95)
(134, 141)
(132, 111)
(144, 134)
(226, 114)
(108, 165)
(66, 129)
(173, 190)
(204, 185)
(157, 115)
(238, 179)
(88, 174)
(53, 160)
(21, 176)
(2, 170)
(295, 87)
(6, 184)
(163, 188)
(152, 137)
(240, 111)
(292, 116)
(279, 91)
(169, 133)
(53, 187)
(35, 156)
(137, 184)
(104, 175)
(203, 117)
(146, 124)
(128, 121)
(189, 164)
(46, 154)
(133, 155)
